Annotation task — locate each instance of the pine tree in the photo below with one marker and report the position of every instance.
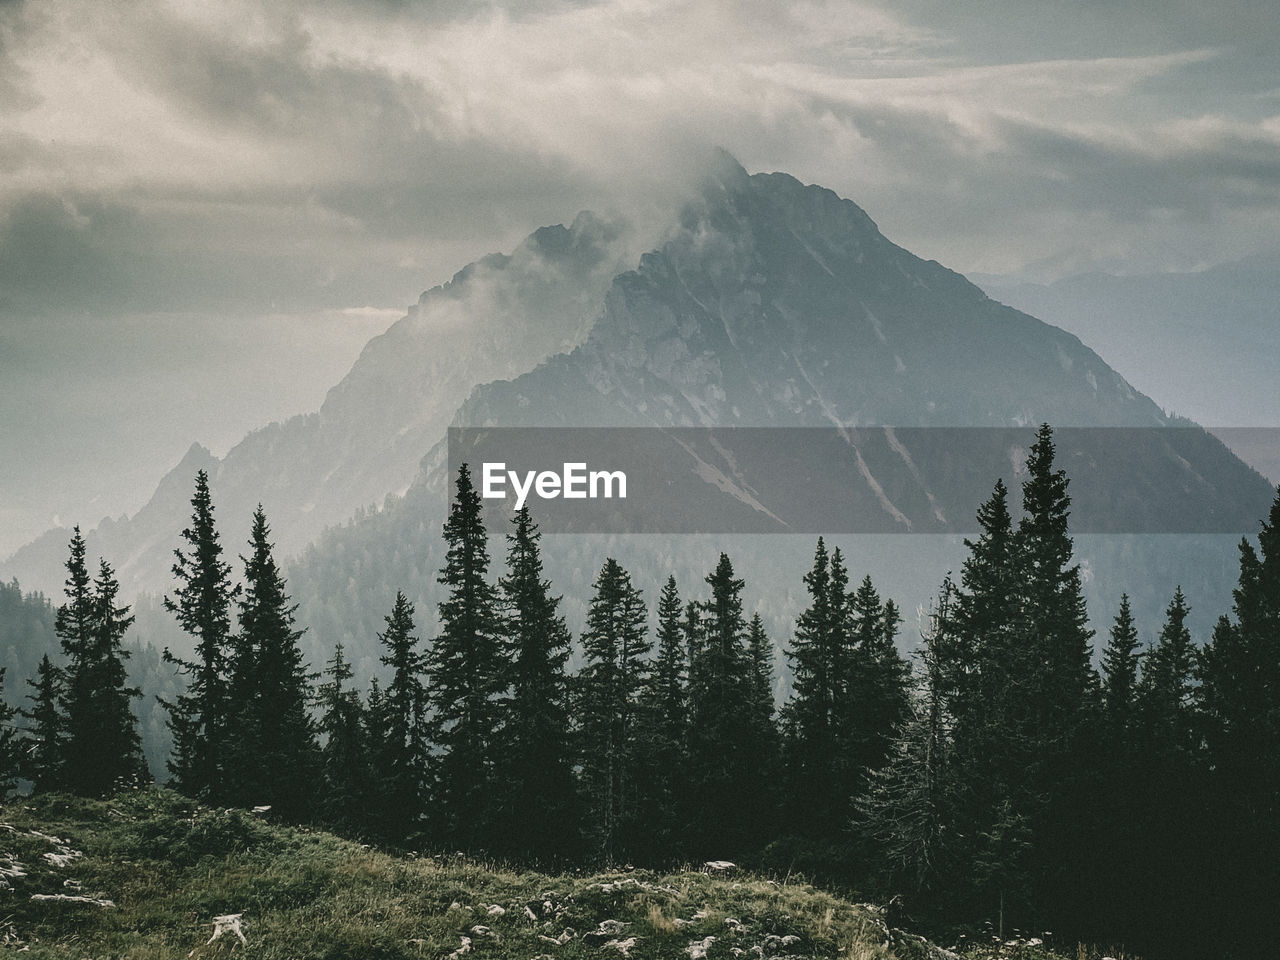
(908, 810)
(469, 682)
(400, 772)
(1120, 671)
(202, 605)
(276, 757)
(535, 769)
(10, 746)
(42, 762)
(723, 752)
(1056, 621)
(814, 768)
(664, 705)
(1239, 698)
(344, 758)
(764, 742)
(1240, 672)
(610, 747)
(988, 663)
(1166, 692)
(101, 749)
(876, 684)
(1052, 798)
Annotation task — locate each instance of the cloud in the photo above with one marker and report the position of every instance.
(176, 169)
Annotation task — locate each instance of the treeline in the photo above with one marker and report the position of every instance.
(1001, 776)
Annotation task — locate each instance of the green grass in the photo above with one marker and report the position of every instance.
(169, 867)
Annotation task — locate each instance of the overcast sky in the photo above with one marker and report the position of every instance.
(207, 208)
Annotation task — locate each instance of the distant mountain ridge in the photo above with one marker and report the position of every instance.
(496, 318)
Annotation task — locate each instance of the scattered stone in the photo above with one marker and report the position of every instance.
(719, 866)
(735, 925)
(261, 810)
(568, 934)
(496, 911)
(65, 898)
(773, 942)
(528, 912)
(62, 858)
(13, 869)
(698, 949)
(228, 923)
(622, 946)
(480, 930)
(700, 915)
(462, 950)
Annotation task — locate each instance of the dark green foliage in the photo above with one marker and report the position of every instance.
(42, 755)
(664, 705)
(907, 811)
(1057, 632)
(101, 749)
(1166, 690)
(346, 773)
(274, 758)
(469, 679)
(1120, 671)
(399, 753)
(535, 766)
(10, 745)
(815, 768)
(202, 605)
(732, 802)
(609, 715)
(876, 681)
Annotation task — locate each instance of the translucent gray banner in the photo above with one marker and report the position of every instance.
(854, 480)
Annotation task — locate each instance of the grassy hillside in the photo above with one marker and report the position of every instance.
(144, 875)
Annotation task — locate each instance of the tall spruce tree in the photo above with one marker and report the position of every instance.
(536, 766)
(1120, 671)
(815, 759)
(469, 679)
(1165, 693)
(275, 759)
(400, 768)
(1051, 804)
(988, 661)
(344, 757)
(876, 685)
(1055, 624)
(907, 812)
(723, 749)
(10, 745)
(763, 736)
(1239, 696)
(610, 746)
(101, 750)
(202, 605)
(664, 705)
(42, 757)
